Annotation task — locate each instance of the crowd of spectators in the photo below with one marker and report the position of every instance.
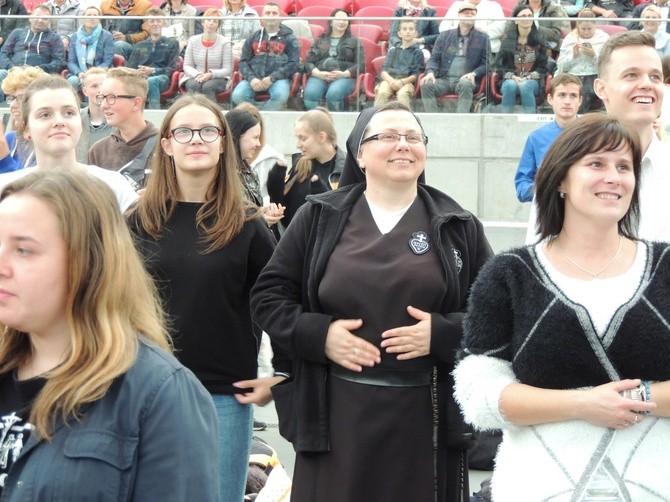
(475, 55)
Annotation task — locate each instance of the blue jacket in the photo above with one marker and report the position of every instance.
(162, 56)
(537, 144)
(428, 29)
(277, 58)
(446, 48)
(104, 53)
(152, 436)
(9, 162)
(400, 63)
(25, 47)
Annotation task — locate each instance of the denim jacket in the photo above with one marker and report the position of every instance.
(152, 436)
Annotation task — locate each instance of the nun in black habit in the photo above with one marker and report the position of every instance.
(367, 291)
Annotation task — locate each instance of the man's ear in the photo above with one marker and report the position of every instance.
(600, 89)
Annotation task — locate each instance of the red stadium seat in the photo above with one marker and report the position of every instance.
(172, 90)
(359, 4)
(331, 4)
(370, 79)
(317, 30)
(611, 29)
(376, 11)
(372, 32)
(316, 11)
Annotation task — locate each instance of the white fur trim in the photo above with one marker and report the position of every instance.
(479, 382)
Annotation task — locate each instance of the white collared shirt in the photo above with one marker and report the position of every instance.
(655, 192)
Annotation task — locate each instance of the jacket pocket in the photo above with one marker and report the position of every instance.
(100, 463)
(283, 396)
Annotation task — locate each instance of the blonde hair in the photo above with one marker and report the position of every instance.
(111, 301)
(226, 4)
(94, 70)
(212, 12)
(223, 214)
(316, 121)
(20, 77)
(133, 81)
(652, 8)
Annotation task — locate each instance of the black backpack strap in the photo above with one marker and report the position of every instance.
(137, 169)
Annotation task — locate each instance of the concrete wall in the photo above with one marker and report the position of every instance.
(472, 157)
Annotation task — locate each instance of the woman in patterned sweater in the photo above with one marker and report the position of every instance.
(566, 341)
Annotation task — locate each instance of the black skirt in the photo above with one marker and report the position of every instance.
(381, 447)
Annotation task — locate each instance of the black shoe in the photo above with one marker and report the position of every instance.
(260, 426)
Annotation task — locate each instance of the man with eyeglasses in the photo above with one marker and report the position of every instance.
(35, 45)
(270, 57)
(129, 148)
(156, 57)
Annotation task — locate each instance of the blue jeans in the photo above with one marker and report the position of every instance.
(157, 84)
(123, 48)
(235, 422)
(527, 89)
(74, 81)
(278, 92)
(335, 92)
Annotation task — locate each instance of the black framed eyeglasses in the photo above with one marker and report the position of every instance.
(10, 98)
(412, 138)
(111, 98)
(208, 134)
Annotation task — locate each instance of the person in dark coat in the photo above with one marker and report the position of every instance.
(367, 291)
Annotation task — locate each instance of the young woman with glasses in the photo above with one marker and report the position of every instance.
(366, 291)
(205, 248)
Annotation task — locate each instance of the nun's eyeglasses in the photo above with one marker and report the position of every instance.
(412, 138)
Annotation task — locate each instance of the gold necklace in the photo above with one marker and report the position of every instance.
(595, 276)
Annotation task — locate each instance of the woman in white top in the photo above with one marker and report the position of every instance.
(579, 56)
(651, 21)
(208, 63)
(566, 340)
(239, 22)
(51, 120)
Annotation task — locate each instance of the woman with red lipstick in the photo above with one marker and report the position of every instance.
(205, 247)
(566, 341)
(316, 167)
(366, 290)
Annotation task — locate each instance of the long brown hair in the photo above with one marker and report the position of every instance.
(223, 214)
(111, 301)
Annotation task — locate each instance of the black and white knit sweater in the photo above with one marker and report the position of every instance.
(521, 327)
